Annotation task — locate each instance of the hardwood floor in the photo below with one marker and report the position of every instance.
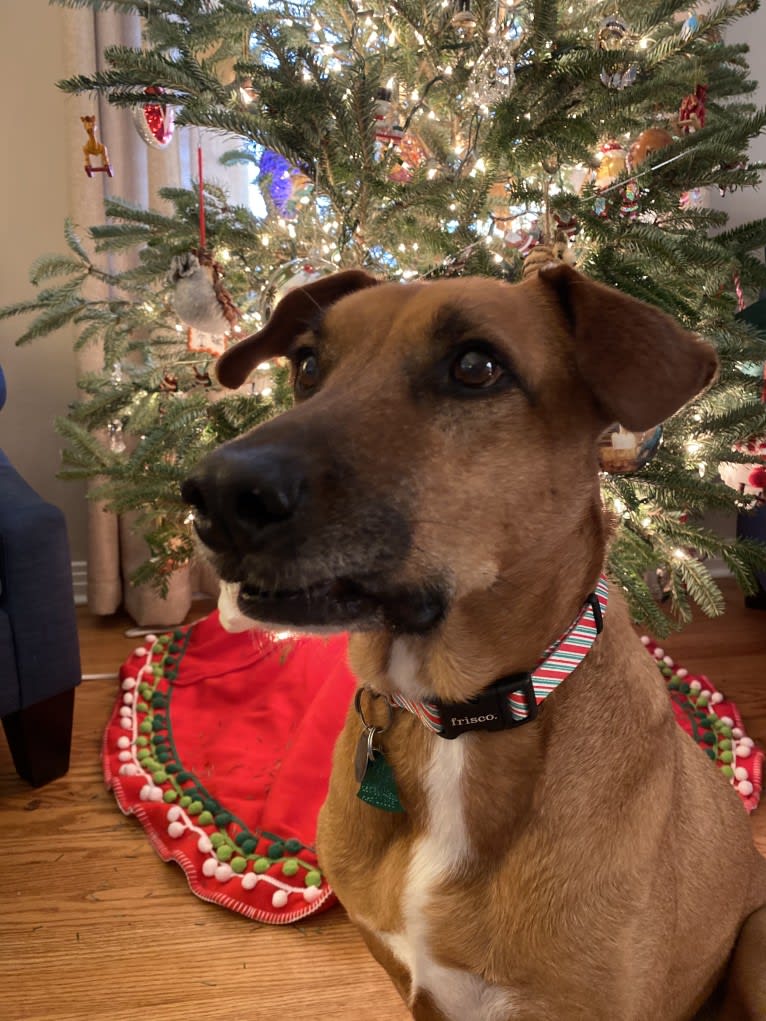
(93, 925)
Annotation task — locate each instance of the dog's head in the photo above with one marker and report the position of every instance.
(443, 443)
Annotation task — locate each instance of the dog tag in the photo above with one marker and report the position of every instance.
(364, 753)
(378, 786)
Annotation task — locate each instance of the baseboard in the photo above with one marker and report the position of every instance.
(80, 581)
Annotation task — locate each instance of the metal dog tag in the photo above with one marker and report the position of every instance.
(364, 753)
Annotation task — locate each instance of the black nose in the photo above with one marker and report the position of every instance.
(238, 493)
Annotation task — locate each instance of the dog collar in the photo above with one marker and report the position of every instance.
(513, 700)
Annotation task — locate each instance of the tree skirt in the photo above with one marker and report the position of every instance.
(221, 745)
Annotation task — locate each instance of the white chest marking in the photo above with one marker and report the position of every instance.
(459, 995)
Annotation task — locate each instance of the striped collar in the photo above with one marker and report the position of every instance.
(513, 700)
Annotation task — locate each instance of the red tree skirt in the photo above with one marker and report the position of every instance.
(221, 745)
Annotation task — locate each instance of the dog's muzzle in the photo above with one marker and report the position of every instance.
(305, 548)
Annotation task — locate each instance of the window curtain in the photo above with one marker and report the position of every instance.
(114, 547)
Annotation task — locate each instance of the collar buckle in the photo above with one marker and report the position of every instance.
(490, 709)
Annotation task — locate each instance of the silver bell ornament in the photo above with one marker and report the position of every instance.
(199, 296)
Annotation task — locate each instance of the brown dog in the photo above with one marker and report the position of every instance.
(435, 492)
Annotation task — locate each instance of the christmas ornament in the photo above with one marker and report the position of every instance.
(613, 35)
(292, 274)
(494, 73)
(691, 115)
(548, 255)
(464, 20)
(154, 121)
(95, 148)
(621, 452)
(612, 163)
(647, 142)
(286, 185)
(406, 152)
(116, 437)
(205, 343)
(199, 296)
(384, 110)
(567, 222)
(523, 234)
(689, 27)
(629, 200)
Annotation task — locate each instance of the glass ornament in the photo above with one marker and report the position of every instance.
(155, 122)
(494, 74)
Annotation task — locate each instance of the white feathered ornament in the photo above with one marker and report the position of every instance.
(199, 296)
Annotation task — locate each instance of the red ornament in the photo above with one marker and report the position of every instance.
(155, 121)
(691, 115)
(757, 477)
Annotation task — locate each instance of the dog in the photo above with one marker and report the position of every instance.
(434, 491)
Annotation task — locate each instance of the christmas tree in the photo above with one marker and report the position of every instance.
(424, 138)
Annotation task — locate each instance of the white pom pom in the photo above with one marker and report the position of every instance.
(126, 723)
(156, 794)
(667, 661)
(123, 742)
(745, 788)
(311, 893)
(145, 794)
(125, 710)
(128, 698)
(176, 829)
(249, 880)
(140, 650)
(659, 653)
(209, 865)
(645, 639)
(740, 773)
(129, 684)
(279, 900)
(204, 845)
(125, 756)
(683, 672)
(223, 872)
(727, 721)
(150, 640)
(716, 698)
(695, 686)
(743, 751)
(129, 769)
(748, 741)
(174, 813)
(737, 733)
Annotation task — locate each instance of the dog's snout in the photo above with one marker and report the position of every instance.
(236, 494)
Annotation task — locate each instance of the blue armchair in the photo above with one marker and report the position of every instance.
(39, 650)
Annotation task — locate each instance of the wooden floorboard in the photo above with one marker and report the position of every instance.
(93, 925)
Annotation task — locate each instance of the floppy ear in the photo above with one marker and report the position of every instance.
(293, 313)
(640, 365)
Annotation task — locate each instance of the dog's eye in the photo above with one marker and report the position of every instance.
(306, 373)
(476, 369)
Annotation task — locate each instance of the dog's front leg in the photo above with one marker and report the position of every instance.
(745, 984)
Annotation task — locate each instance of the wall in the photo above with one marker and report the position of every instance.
(34, 184)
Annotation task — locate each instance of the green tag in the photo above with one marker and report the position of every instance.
(378, 787)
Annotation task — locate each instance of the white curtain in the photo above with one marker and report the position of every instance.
(115, 550)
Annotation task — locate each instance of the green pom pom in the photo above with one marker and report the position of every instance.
(158, 700)
(726, 756)
(222, 818)
(238, 865)
(205, 818)
(216, 839)
(141, 740)
(727, 771)
(261, 865)
(184, 777)
(170, 795)
(293, 845)
(185, 801)
(142, 707)
(145, 689)
(223, 852)
(211, 806)
(290, 867)
(710, 752)
(164, 756)
(145, 727)
(665, 670)
(195, 808)
(173, 767)
(685, 688)
(143, 754)
(249, 845)
(160, 776)
(313, 878)
(708, 738)
(673, 685)
(276, 850)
